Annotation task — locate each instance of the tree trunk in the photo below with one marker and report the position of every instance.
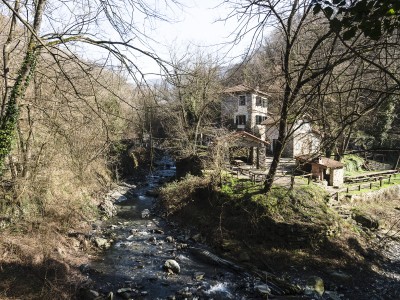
(8, 121)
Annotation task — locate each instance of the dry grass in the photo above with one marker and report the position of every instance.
(37, 258)
(39, 264)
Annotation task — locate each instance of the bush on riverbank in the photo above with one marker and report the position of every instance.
(177, 194)
(240, 209)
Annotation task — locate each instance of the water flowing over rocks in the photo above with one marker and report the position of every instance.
(145, 257)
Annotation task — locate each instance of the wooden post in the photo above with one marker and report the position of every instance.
(390, 176)
(370, 185)
(397, 162)
(337, 196)
(380, 181)
(359, 187)
(347, 190)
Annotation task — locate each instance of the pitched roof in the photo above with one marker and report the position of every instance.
(320, 160)
(329, 163)
(242, 88)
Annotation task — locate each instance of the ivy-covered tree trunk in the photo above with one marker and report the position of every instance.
(8, 121)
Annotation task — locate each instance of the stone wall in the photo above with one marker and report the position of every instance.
(336, 177)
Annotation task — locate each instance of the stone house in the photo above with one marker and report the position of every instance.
(244, 108)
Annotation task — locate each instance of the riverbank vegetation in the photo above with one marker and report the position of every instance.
(290, 229)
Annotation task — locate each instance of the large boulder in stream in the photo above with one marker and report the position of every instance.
(172, 265)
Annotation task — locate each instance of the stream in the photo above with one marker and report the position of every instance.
(133, 266)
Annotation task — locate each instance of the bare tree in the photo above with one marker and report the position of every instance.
(65, 30)
(191, 98)
(308, 52)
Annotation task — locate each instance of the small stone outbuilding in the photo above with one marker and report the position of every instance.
(323, 168)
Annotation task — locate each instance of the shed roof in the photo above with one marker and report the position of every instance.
(329, 163)
(320, 160)
(242, 88)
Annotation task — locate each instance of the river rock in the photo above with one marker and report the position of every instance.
(315, 285)
(152, 239)
(107, 208)
(101, 243)
(145, 214)
(172, 265)
(341, 276)
(118, 197)
(169, 239)
(198, 275)
(181, 246)
(153, 193)
(263, 290)
(197, 238)
(125, 293)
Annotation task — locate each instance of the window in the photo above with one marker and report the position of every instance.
(259, 119)
(242, 100)
(264, 102)
(258, 101)
(240, 120)
(261, 101)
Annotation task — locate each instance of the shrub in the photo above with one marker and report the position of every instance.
(177, 194)
(353, 163)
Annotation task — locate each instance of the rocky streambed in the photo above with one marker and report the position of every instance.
(146, 257)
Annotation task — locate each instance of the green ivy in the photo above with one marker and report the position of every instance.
(9, 120)
(373, 18)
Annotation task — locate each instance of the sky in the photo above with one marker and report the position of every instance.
(197, 27)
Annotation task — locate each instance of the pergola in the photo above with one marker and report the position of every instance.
(247, 140)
